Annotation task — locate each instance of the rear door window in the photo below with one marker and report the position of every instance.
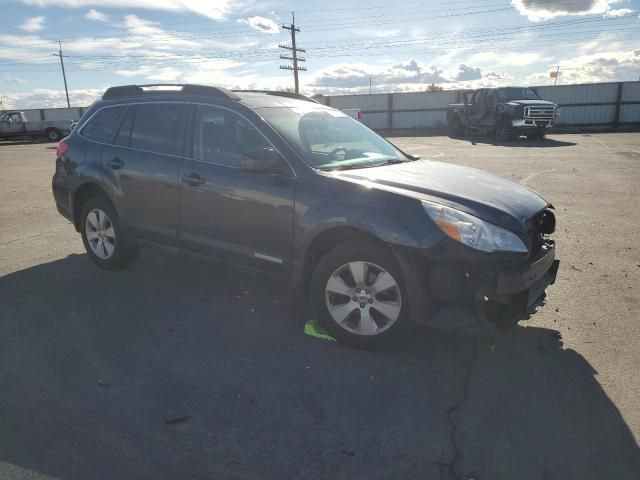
(157, 127)
(103, 125)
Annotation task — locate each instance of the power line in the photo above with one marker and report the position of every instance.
(336, 50)
(408, 44)
(341, 23)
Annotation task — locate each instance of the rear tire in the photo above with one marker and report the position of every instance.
(103, 237)
(358, 295)
(53, 134)
(503, 134)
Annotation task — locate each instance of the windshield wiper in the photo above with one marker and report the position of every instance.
(348, 166)
(391, 161)
(352, 166)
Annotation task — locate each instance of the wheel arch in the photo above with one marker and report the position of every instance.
(420, 303)
(327, 240)
(83, 193)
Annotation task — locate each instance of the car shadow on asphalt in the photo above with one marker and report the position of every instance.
(177, 368)
(521, 142)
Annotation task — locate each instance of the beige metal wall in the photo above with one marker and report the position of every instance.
(597, 105)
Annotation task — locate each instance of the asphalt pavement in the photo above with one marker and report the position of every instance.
(179, 368)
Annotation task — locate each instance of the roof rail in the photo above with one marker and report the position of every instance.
(276, 93)
(152, 89)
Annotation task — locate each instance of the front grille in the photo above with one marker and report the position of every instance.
(542, 112)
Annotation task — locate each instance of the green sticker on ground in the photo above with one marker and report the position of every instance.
(312, 329)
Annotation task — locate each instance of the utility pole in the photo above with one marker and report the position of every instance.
(557, 75)
(294, 52)
(64, 76)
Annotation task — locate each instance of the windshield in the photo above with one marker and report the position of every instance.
(520, 94)
(329, 139)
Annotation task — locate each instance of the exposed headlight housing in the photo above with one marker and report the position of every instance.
(472, 231)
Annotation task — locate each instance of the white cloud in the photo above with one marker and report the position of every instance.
(466, 73)
(262, 24)
(47, 98)
(215, 9)
(484, 57)
(538, 10)
(12, 79)
(619, 12)
(354, 77)
(519, 59)
(94, 14)
(611, 64)
(33, 24)
(162, 74)
(497, 76)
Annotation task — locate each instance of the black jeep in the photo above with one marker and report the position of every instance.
(508, 112)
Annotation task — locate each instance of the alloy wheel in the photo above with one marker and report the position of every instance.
(363, 298)
(101, 235)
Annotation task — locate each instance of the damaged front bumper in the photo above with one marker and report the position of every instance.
(453, 272)
(523, 289)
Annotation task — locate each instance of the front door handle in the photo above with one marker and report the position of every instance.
(193, 179)
(116, 163)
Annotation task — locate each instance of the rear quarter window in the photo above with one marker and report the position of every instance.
(102, 126)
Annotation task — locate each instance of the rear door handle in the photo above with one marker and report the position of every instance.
(193, 179)
(116, 163)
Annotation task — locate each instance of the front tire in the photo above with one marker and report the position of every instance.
(455, 127)
(103, 237)
(358, 295)
(538, 135)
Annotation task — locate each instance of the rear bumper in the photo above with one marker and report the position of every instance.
(62, 197)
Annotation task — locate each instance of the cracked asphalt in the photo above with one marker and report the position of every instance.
(179, 368)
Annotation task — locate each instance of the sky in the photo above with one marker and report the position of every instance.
(351, 45)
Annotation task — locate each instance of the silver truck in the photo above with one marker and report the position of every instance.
(15, 124)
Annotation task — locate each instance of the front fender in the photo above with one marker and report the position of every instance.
(396, 220)
(406, 225)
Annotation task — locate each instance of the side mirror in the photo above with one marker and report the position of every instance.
(261, 161)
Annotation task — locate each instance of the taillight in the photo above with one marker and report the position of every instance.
(62, 148)
(359, 115)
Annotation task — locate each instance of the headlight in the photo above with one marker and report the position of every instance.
(557, 111)
(472, 231)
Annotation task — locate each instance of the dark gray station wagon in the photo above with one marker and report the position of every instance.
(373, 236)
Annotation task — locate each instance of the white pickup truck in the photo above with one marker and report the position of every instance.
(15, 124)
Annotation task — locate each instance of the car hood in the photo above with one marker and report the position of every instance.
(525, 103)
(487, 196)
